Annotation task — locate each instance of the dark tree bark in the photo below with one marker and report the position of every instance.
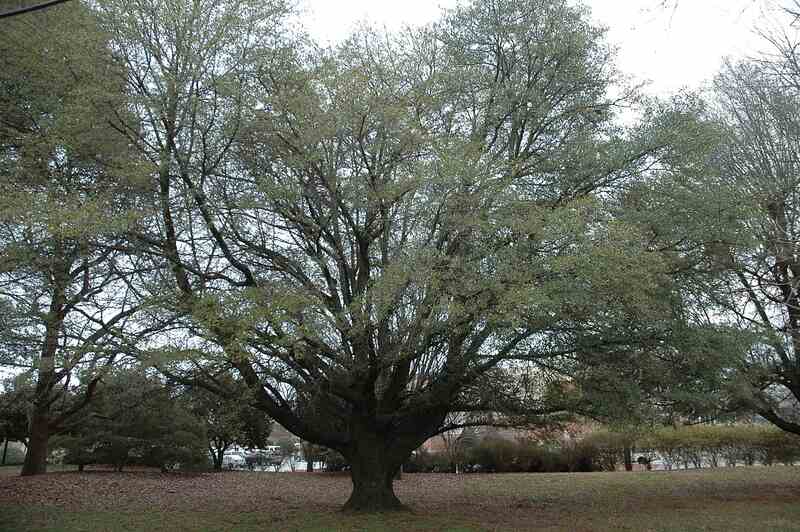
(628, 458)
(5, 451)
(218, 456)
(375, 459)
(36, 455)
(217, 448)
(373, 468)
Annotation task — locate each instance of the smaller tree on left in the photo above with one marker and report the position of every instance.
(68, 191)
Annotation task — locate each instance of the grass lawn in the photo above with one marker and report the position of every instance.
(11, 471)
(746, 499)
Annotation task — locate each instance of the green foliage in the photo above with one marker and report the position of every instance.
(522, 455)
(136, 420)
(726, 212)
(313, 453)
(421, 461)
(14, 410)
(68, 175)
(369, 237)
(412, 215)
(228, 416)
(607, 448)
(70, 188)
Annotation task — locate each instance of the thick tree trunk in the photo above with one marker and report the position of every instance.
(310, 465)
(373, 466)
(36, 455)
(5, 451)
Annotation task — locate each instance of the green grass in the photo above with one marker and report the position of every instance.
(725, 500)
(52, 520)
(762, 516)
(13, 470)
(7, 470)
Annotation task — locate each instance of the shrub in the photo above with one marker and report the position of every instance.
(714, 445)
(494, 454)
(698, 446)
(537, 458)
(779, 447)
(606, 448)
(506, 456)
(423, 461)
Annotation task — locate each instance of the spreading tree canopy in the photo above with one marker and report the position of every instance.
(755, 168)
(381, 241)
(377, 235)
(730, 215)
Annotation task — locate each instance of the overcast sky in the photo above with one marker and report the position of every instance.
(671, 48)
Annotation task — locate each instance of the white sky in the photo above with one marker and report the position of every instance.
(671, 49)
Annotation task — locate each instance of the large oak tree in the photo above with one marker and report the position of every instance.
(380, 234)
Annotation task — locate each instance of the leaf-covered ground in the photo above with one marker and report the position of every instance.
(761, 498)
